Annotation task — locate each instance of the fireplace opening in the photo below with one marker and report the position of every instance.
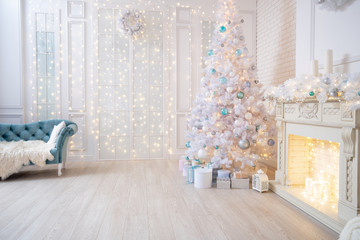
(313, 172)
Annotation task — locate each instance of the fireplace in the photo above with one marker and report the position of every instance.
(317, 166)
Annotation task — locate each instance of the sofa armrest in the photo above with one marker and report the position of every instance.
(66, 132)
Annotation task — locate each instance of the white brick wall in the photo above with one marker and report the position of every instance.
(276, 40)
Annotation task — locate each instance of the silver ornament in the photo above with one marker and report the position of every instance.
(213, 133)
(253, 67)
(256, 81)
(247, 84)
(244, 144)
(271, 142)
(242, 20)
(229, 22)
(222, 45)
(320, 1)
(327, 80)
(265, 119)
(333, 92)
(242, 38)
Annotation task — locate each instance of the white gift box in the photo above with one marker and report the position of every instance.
(203, 178)
(260, 181)
(223, 183)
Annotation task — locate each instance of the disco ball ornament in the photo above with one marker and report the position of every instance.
(202, 154)
(224, 111)
(240, 95)
(244, 144)
(222, 29)
(188, 144)
(271, 142)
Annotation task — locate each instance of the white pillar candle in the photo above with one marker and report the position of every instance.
(329, 61)
(315, 68)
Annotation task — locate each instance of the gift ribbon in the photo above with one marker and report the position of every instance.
(190, 170)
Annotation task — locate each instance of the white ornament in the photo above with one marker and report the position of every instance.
(202, 154)
(205, 129)
(237, 123)
(229, 89)
(232, 74)
(248, 115)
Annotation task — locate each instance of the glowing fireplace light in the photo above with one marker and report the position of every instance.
(318, 172)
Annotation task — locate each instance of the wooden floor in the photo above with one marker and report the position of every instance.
(141, 200)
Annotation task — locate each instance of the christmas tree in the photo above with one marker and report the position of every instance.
(230, 123)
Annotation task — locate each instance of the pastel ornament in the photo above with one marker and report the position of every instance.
(224, 111)
(240, 95)
(244, 144)
(213, 71)
(229, 89)
(222, 29)
(223, 80)
(202, 154)
(211, 52)
(248, 115)
(187, 144)
(311, 93)
(238, 52)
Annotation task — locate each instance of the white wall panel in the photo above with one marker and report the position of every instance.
(183, 68)
(76, 68)
(11, 118)
(78, 141)
(10, 56)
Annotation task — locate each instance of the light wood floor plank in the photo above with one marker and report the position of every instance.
(142, 200)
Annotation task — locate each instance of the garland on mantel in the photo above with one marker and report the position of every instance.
(341, 87)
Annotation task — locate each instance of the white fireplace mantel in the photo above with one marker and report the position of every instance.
(333, 121)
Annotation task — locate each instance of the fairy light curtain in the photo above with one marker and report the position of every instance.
(45, 66)
(130, 88)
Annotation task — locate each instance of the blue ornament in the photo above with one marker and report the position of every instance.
(257, 127)
(211, 52)
(204, 146)
(240, 95)
(188, 144)
(359, 93)
(247, 83)
(224, 111)
(187, 158)
(271, 142)
(213, 70)
(216, 147)
(311, 93)
(223, 80)
(238, 52)
(222, 29)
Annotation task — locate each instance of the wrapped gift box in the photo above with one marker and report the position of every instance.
(223, 183)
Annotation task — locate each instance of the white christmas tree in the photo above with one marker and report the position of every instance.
(230, 121)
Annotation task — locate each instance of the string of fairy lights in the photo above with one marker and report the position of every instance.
(112, 99)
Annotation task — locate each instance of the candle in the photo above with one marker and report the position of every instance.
(329, 61)
(315, 68)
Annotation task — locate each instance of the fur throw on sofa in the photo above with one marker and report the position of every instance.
(15, 154)
(351, 230)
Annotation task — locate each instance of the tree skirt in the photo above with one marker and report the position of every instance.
(15, 154)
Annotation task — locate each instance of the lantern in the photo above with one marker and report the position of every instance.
(260, 181)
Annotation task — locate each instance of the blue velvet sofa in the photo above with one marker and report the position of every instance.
(41, 131)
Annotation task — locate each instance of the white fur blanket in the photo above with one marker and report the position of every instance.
(351, 230)
(15, 154)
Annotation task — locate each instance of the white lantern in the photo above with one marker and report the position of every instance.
(260, 181)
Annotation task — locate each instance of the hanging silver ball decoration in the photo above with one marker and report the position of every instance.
(242, 38)
(253, 67)
(229, 22)
(213, 133)
(327, 80)
(247, 84)
(222, 45)
(271, 142)
(265, 119)
(320, 1)
(242, 20)
(256, 81)
(244, 144)
(333, 92)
